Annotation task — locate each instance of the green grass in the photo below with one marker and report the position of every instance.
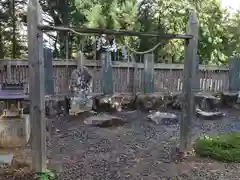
(46, 175)
(225, 147)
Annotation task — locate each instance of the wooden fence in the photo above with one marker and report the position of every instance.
(212, 78)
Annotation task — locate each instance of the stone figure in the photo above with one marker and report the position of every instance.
(101, 45)
(106, 43)
(113, 47)
(81, 88)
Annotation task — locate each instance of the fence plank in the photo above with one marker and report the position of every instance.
(61, 73)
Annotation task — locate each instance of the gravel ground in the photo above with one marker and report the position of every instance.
(139, 150)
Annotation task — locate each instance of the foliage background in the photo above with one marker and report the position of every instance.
(219, 35)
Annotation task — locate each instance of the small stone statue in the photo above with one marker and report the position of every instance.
(81, 88)
(106, 43)
(102, 43)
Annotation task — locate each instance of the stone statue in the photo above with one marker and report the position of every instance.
(81, 89)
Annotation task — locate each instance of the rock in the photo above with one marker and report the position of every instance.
(202, 99)
(163, 118)
(206, 101)
(104, 120)
(53, 106)
(82, 115)
(80, 104)
(153, 101)
(107, 103)
(229, 99)
(15, 132)
(125, 100)
(176, 101)
(209, 115)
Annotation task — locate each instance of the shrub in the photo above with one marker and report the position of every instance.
(225, 147)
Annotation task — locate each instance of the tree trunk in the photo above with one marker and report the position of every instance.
(14, 30)
(64, 41)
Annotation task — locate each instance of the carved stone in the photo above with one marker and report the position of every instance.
(14, 132)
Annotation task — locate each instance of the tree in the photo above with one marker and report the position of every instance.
(233, 42)
(11, 44)
(171, 16)
(213, 32)
(110, 14)
(218, 33)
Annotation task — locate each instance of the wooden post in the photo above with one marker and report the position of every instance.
(9, 72)
(170, 76)
(188, 114)
(148, 73)
(135, 71)
(49, 85)
(48, 59)
(197, 75)
(36, 86)
(107, 78)
(234, 74)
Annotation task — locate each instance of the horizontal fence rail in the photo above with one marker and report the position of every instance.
(166, 76)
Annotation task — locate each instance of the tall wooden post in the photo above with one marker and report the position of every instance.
(148, 73)
(48, 59)
(197, 77)
(9, 72)
(189, 86)
(107, 78)
(234, 74)
(135, 71)
(36, 86)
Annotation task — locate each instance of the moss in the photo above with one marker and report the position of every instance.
(225, 147)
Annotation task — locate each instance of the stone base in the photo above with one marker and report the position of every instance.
(14, 132)
(209, 115)
(163, 118)
(113, 103)
(153, 101)
(104, 120)
(229, 99)
(206, 101)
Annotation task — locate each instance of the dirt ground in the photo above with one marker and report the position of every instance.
(139, 150)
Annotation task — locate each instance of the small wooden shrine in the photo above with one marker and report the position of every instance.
(14, 124)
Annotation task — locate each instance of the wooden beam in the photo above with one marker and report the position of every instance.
(36, 86)
(190, 55)
(97, 31)
(93, 63)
